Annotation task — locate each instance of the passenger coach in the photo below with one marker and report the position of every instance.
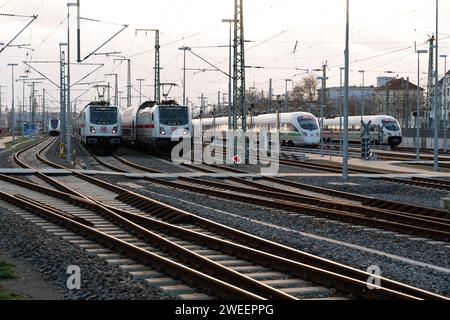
(155, 126)
(296, 128)
(391, 133)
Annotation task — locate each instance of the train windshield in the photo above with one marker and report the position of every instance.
(391, 125)
(54, 123)
(104, 115)
(174, 116)
(308, 124)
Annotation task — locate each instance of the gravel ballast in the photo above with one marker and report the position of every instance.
(379, 189)
(52, 255)
(238, 215)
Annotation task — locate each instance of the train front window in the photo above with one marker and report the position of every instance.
(309, 124)
(391, 125)
(54, 123)
(104, 116)
(174, 116)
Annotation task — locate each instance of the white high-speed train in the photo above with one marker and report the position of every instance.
(99, 126)
(54, 127)
(296, 128)
(391, 132)
(153, 126)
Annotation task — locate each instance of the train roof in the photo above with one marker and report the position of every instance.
(98, 103)
(357, 119)
(268, 117)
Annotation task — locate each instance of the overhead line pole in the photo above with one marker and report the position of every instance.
(346, 87)
(230, 66)
(13, 65)
(239, 105)
(33, 18)
(436, 94)
(157, 67)
(418, 105)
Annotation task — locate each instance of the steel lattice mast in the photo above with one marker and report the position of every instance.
(239, 101)
(157, 69)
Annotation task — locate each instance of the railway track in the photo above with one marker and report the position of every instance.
(426, 183)
(265, 259)
(270, 264)
(385, 155)
(418, 221)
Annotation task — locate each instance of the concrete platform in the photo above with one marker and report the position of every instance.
(393, 166)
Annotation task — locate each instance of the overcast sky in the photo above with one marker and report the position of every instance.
(382, 39)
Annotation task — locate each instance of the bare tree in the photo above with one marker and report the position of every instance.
(305, 91)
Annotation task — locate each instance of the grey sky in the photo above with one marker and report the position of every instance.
(383, 36)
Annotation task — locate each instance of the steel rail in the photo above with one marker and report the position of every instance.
(205, 282)
(438, 230)
(275, 248)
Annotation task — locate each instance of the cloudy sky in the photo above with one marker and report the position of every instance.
(382, 39)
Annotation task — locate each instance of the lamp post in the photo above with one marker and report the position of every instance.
(418, 104)
(13, 65)
(230, 93)
(184, 72)
(445, 102)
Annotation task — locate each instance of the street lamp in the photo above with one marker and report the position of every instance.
(418, 104)
(184, 72)
(230, 93)
(445, 102)
(13, 65)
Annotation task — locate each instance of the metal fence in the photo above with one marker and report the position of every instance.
(424, 133)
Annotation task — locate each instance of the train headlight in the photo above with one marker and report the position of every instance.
(162, 131)
(186, 131)
(93, 130)
(114, 131)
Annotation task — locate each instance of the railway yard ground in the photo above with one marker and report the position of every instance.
(139, 227)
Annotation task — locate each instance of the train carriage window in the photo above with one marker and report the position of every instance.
(103, 115)
(173, 115)
(310, 124)
(391, 125)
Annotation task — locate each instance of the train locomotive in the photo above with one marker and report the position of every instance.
(296, 128)
(99, 126)
(390, 134)
(54, 127)
(154, 126)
